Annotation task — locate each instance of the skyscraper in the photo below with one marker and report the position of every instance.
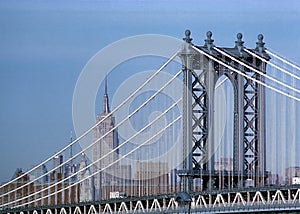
(107, 140)
(86, 186)
(58, 173)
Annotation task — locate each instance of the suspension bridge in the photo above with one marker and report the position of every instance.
(219, 134)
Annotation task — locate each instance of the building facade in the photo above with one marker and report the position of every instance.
(106, 140)
(86, 192)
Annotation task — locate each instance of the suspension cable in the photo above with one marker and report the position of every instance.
(257, 71)
(272, 64)
(103, 136)
(89, 130)
(248, 77)
(221, 82)
(58, 191)
(283, 60)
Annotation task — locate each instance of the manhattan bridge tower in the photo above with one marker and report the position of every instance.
(200, 76)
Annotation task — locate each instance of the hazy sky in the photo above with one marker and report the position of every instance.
(45, 44)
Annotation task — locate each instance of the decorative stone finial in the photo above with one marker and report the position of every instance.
(187, 32)
(260, 45)
(209, 34)
(187, 38)
(239, 36)
(209, 43)
(239, 42)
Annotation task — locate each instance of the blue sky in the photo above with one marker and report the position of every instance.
(45, 44)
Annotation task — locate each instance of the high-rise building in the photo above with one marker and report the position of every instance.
(58, 160)
(39, 172)
(292, 175)
(86, 186)
(107, 140)
(57, 174)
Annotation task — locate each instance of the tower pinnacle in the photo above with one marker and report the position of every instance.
(105, 98)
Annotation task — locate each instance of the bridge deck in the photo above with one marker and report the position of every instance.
(251, 200)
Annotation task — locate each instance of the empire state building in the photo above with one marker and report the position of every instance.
(108, 141)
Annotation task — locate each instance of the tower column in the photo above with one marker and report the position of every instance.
(186, 55)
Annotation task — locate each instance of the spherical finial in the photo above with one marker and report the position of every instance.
(239, 36)
(239, 43)
(187, 33)
(209, 34)
(209, 42)
(187, 36)
(260, 37)
(260, 44)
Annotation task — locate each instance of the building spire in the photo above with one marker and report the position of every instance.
(105, 98)
(105, 92)
(71, 151)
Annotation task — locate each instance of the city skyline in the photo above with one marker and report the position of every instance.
(44, 48)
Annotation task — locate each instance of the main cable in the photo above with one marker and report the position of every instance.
(283, 60)
(272, 64)
(257, 71)
(89, 130)
(154, 136)
(113, 150)
(241, 73)
(142, 105)
(103, 136)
